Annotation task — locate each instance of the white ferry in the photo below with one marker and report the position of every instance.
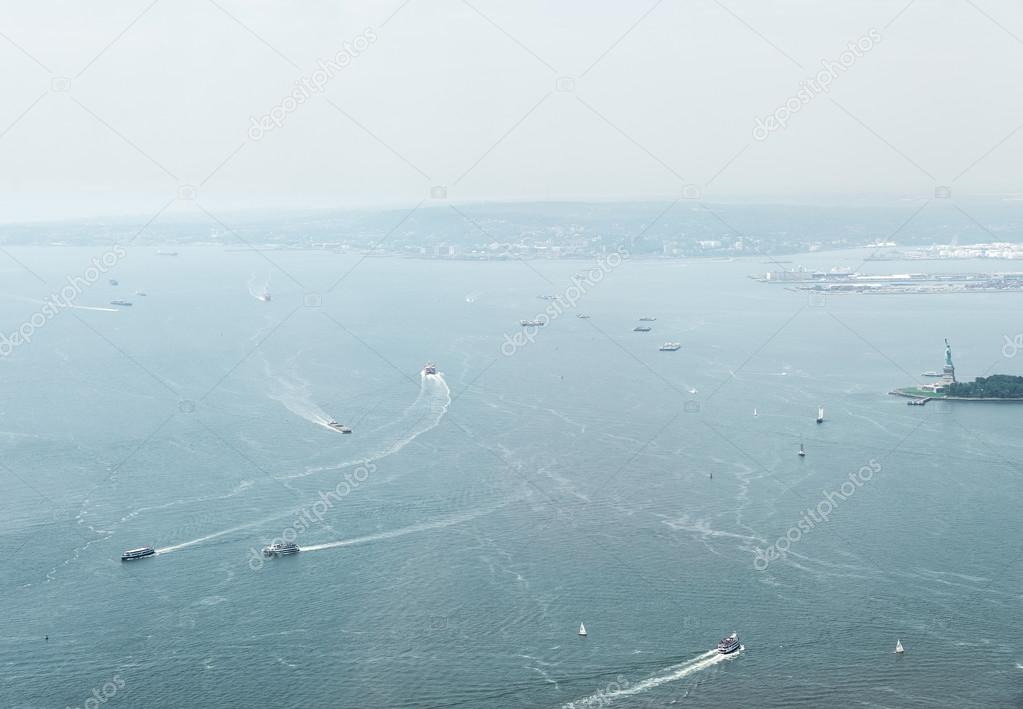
(729, 645)
(281, 549)
(140, 553)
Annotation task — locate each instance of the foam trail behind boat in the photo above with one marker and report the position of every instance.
(214, 535)
(422, 416)
(671, 674)
(403, 531)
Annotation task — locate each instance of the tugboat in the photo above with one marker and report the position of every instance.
(430, 368)
(140, 553)
(339, 426)
(641, 328)
(671, 347)
(729, 645)
(281, 549)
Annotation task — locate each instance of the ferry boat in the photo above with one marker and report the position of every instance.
(729, 645)
(140, 553)
(120, 302)
(530, 323)
(671, 347)
(641, 328)
(430, 368)
(647, 319)
(281, 549)
(931, 374)
(339, 426)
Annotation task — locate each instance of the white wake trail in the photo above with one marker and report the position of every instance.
(422, 416)
(671, 674)
(413, 529)
(214, 535)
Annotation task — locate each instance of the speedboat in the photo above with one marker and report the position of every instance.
(281, 549)
(671, 347)
(430, 368)
(140, 553)
(729, 645)
(339, 426)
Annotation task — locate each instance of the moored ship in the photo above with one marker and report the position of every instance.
(281, 549)
(729, 645)
(140, 553)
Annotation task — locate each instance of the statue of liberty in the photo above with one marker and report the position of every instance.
(948, 354)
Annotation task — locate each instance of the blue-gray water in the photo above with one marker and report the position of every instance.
(569, 482)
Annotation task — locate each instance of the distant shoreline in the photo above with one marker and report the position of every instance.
(938, 397)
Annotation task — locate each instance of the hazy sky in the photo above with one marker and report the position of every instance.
(110, 107)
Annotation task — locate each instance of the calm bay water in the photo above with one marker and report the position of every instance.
(585, 478)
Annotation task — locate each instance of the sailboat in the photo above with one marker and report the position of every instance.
(582, 630)
(802, 451)
(820, 414)
(755, 411)
(898, 647)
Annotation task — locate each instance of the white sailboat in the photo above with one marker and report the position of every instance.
(582, 630)
(820, 414)
(898, 647)
(755, 411)
(802, 451)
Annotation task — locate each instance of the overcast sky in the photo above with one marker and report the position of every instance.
(111, 107)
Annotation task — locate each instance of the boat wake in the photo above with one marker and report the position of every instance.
(259, 292)
(200, 540)
(449, 521)
(671, 674)
(422, 416)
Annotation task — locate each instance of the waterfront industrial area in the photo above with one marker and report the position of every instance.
(844, 281)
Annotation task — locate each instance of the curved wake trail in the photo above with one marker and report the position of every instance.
(430, 406)
(425, 414)
(671, 674)
(403, 531)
